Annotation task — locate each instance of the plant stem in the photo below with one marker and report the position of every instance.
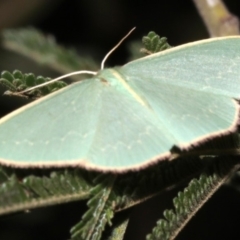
(218, 20)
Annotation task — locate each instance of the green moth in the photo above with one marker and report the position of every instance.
(126, 118)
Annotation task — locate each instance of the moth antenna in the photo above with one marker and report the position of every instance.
(83, 71)
(116, 46)
(59, 78)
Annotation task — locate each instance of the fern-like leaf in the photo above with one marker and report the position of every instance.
(101, 211)
(133, 188)
(188, 202)
(17, 194)
(17, 81)
(119, 229)
(154, 43)
(44, 50)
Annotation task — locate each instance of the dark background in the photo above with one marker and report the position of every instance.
(93, 27)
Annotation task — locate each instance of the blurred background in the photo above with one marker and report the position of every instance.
(93, 27)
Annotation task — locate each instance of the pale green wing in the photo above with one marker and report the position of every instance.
(190, 88)
(91, 124)
(130, 119)
(211, 66)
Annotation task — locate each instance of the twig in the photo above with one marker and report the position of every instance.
(218, 20)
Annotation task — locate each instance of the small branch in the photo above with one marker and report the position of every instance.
(218, 20)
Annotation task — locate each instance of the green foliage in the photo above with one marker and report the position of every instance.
(101, 206)
(185, 205)
(188, 202)
(44, 50)
(19, 193)
(134, 188)
(154, 43)
(119, 230)
(17, 81)
(107, 194)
